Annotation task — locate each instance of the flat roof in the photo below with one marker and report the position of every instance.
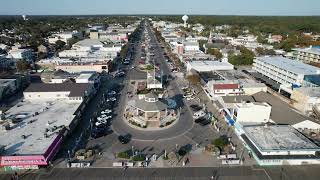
(278, 138)
(238, 99)
(51, 114)
(76, 89)
(281, 112)
(309, 50)
(309, 91)
(89, 42)
(85, 76)
(5, 82)
(290, 65)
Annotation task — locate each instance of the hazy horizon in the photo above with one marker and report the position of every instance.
(163, 7)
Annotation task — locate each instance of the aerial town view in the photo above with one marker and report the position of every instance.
(157, 90)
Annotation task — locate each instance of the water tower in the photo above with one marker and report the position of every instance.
(24, 17)
(185, 19)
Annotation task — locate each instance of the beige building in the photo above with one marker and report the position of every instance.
(306, 99)
(77, 68)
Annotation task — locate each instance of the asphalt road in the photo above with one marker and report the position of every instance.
(182, 126)
(186, 173)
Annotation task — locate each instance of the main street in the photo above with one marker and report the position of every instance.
(183, 132)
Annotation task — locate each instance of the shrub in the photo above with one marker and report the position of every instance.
(124, 155)
(138, 158)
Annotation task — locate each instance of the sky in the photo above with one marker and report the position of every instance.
(205, 7)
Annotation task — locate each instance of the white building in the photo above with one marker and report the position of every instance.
(83, 66)
(207, 66)
(19, 54)
(65, 37)
(67, 91)
(307, 55)
(279, 145)
(250, 113)
(285, 71)
(191, 46)
(74, 53)
(216, 89)
(306, 99)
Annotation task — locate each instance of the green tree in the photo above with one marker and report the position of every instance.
(215, 52)
(194, 79)
(22, 65)
(220, 142)
(59, 45)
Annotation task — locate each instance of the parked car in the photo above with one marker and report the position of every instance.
(195, 107)
(199, 114)
(112, 93)
(112, 99)
(107, 111)
(205, 122)
(124, 139)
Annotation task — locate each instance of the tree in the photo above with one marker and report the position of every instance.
(220, 142)
(194, 79)
(215, 52)
(59, 45)
(22, 65)
(245, 58)
(262, 51)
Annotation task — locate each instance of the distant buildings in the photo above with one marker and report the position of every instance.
(274, 39)
(307, 55)
(64, 36)
(21, 54)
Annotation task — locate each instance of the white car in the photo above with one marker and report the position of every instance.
(112, 93)
(111, 99)
(100, 123)
(107, 111)
(199, 114)
(108, 117)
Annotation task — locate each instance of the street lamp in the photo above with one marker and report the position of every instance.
(132, 148)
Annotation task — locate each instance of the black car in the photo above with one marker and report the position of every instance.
(200, 120)
(205, 122)
(98, 132)
(124, 139)
(195, 107)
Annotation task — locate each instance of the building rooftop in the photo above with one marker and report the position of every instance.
(225, 86)
(149, 106)
(278, 138)
(237, 99)
(5, 82)
(309, 91)
(89, 43)
(281, 112)
(210, 65)
(290, 65)
(53, 115)
(76, 89)
(309, 50)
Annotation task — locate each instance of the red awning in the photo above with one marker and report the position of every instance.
(22, 160)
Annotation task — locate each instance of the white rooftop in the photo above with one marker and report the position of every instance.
(309, 50)
(89, 43)
(278, 138)
(205, 66)
(85, 76)
(51, 114)
(290, 65)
